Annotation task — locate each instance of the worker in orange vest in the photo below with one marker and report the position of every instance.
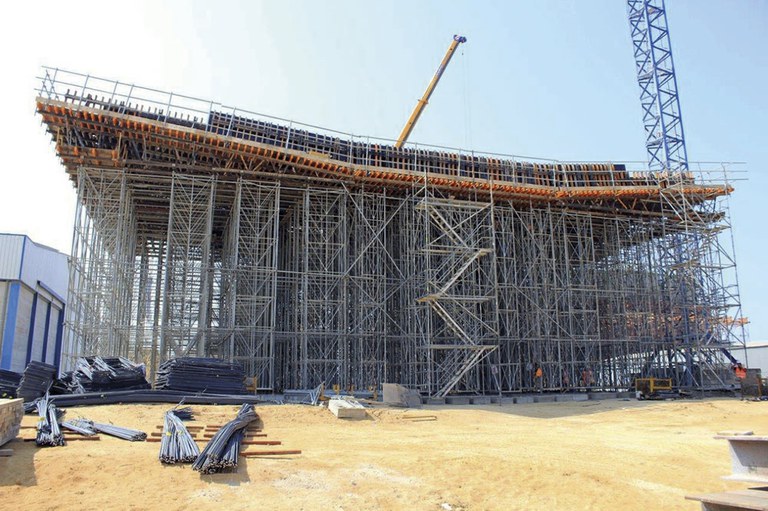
(539, 376)
(740, 371)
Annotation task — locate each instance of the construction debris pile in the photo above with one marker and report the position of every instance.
(101, 374)
(36, 380)
(206, 375)
(222, 451)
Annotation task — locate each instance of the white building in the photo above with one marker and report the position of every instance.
(754, 356)
(33, 290)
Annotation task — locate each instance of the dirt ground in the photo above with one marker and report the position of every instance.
(583, 455)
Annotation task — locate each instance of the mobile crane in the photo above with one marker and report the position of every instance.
(422, 103)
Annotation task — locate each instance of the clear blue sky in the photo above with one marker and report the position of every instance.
(546, 78)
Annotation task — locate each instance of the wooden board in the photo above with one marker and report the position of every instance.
(6, 452)
(249, 454)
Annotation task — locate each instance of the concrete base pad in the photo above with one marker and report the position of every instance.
(457, 400)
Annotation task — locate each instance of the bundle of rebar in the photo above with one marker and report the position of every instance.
(48, 431)
(36, 380)
(81, 427)
(222, 451)
(100, 374)
(9, 383)
(134, 435)
(209, 375)
(176, 444)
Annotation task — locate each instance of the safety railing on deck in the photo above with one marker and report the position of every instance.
(177, 109)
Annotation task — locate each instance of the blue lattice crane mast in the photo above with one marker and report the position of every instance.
(664, 138)
(665, 144)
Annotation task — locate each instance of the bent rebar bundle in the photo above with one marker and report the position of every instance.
(176, 444)
(222, 451)
(48, 431)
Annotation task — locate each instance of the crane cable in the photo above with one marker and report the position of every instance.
(467, 106)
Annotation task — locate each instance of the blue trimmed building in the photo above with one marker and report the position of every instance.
(33, 290)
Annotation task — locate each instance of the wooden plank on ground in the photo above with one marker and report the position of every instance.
(6, 452)
(71, 438)
(247, 435)
(250, 454)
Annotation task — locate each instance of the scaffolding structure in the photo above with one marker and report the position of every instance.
(315, 257)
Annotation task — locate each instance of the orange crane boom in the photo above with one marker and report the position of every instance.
(422, 103)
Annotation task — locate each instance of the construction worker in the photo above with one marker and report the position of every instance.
(740, 371)
(539, 376)
(587, 380)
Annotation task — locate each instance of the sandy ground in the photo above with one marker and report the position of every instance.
(585, 455)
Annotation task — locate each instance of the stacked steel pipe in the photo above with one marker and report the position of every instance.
(176, 444)
(48, 432)
(36, 380)
(222, 451)
(207, 375)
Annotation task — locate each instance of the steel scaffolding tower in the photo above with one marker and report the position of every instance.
(314, 257)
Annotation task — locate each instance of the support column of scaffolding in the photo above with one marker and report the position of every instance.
(100, 296)
(249, 281)
(367, 285)
(188, 268)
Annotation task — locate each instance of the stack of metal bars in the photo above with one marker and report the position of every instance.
(208, 375)
(36, 380)
(222, 451)
(176, 444)
(81, 427)
(134, 435)
(48, 432)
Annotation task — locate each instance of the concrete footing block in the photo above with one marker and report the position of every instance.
(434, 400)
(522, 400)
(457, 400)
(480, 400)
(597, 396)
(544, 398)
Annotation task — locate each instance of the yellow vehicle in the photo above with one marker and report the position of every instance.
(648, 388)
